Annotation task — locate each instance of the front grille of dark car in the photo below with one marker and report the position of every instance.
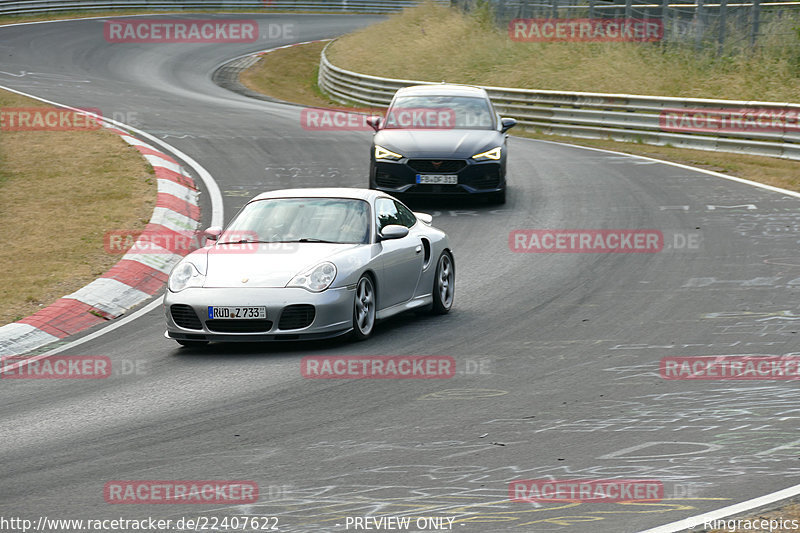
(228, 325)
(184, 316)
(444, 166)
(297, 316)
(382, 179)
(488, 179)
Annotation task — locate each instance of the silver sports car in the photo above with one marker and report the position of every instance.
(309, 264)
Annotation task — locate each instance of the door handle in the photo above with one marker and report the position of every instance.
(418, 249)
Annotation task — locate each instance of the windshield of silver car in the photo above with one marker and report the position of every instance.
(331, 220)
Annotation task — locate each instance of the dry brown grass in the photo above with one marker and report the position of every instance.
(436, 43)
(60, 191)
(288, 75)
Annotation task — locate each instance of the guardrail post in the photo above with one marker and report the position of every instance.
(628, 9)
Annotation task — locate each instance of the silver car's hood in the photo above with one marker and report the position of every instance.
(271, 265)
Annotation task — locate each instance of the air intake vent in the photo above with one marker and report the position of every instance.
(227, 325)
(297, 316)
(185, 317)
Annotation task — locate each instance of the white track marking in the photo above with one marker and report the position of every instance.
(738, 508)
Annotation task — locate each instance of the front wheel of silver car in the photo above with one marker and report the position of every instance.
(444, 284)
(364, 309)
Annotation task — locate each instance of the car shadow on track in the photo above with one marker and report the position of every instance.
(409, 323)
(427, 204)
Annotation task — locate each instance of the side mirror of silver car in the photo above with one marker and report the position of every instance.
(393, 231)
(212, 233)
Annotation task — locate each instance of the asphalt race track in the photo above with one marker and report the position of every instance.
(557, 353)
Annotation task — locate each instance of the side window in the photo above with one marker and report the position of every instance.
(386, 212)
(405, 216)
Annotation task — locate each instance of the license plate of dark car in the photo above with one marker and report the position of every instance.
(437, 179)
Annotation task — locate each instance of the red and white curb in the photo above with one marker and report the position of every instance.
(135, 278)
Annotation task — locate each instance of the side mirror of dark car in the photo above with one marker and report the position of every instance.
(375, 122)
(393, 231)
(212, 233)
(506, 124)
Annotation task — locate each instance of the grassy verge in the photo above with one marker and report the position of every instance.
(291, 74)
(434, 42)
(60, 192)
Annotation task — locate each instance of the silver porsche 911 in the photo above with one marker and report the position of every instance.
(309, 264)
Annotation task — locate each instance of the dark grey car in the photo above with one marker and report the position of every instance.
(440, 140)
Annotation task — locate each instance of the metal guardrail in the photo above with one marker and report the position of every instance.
(27, 7)
(620, 117)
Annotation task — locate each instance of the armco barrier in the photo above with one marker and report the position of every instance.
(621, 117)
(26, 7)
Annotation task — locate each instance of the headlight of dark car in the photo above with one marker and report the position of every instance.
(493, 154)
(383, 153)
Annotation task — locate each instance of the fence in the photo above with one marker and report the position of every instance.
(757, 128)
(726, 26)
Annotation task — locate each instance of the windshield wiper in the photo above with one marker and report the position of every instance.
(245, 241)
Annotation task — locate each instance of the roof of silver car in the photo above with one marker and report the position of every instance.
(323, 192)
(443, 89)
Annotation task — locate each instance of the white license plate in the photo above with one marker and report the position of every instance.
(438, 179)
(236, 312)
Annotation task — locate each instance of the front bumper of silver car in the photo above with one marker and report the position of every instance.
(292, 314)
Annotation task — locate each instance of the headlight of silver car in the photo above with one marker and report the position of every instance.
(184, 276)
(493, 154)
(383, 153)
(315, 279)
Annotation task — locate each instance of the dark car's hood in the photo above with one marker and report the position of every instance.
(454, 143)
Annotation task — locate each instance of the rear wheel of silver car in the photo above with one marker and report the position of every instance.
(364, 309)
(444, 284)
